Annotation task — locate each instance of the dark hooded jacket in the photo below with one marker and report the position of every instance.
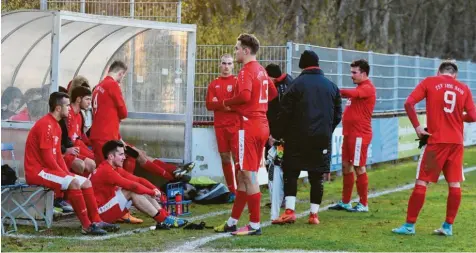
(310, 111)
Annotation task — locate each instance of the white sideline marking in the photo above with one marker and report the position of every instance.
(192, 245)
(188, 246)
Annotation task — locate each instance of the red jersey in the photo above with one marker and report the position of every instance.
(357, 117)
(446, 99)
(253, 77)
(74, 124)
(106, 180)
(109, 109)
(218, 90)
(45, 135)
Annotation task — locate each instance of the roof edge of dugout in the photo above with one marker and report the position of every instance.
(118, 21)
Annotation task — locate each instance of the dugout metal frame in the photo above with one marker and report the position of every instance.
(124, 30)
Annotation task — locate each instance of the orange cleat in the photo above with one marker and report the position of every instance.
(128, 218)
(289, 216)
(313, 219)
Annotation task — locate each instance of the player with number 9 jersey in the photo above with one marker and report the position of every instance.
(446, 100)
(109, 109)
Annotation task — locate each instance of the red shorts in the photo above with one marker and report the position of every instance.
(57, 180)
(251, 140)
(439, 157)
(227, 139)
(97, 149)
(84, 149)
(69, 159)
(354, 151)
(115, 208)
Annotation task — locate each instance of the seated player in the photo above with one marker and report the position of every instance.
(116, 190)
(44, 165)
(78, 157)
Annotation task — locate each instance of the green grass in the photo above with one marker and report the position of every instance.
(371, 231)
(387, 212)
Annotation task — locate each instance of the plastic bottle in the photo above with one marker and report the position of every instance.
(178, 204)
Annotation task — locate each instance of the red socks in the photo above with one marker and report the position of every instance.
(362, 188)
(415, 203)
(348, 186)
(240, 203)
(161, 215)
(91, 204)
(229, 177)
(129, 165)
(152, 167)
(452, 204)
(254, 207)
(76, 199)
(166, 166)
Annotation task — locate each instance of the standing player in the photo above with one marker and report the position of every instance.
(109, 108)
(446, 101)
(225, 122)
(79, 158)
(254, 89)
(116, 190)
(44, 165)
(357, 131)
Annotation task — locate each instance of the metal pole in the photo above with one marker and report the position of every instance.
(371, 61)
(191, 55)
(132, 53)
(82, 6)
(339, 67)
(289, 57)
(179, 12)
(417, 77)
(43, 5)
(55, 51)
(395, 82)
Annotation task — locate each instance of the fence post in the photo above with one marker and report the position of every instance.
(370, 60)
(82, 6)
(179, 11)
(132, 53)
(132, 8)
(417, 76)
(339, 67)
(289, 58)
(43, 5)
(395, 82)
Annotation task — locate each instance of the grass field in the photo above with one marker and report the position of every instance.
(337, 231)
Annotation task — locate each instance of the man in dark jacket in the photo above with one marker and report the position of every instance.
(310, 111)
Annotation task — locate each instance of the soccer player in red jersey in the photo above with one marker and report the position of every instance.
(225, 122)
(116, 190)
(79, 158)
(254, 89)
(44, 165)
(447, 100)
(357, 131)
(109, 108)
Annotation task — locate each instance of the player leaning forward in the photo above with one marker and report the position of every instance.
(254, 89)
(446, 101)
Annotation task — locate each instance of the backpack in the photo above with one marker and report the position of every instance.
(9, 176)
(212, 194)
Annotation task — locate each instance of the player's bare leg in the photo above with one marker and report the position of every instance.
(452, 205)
(347, 187)
(227, 167)
(78, 166)
(250, 181)
(415, 204)
(145, 204)
(362, 184)
(89, 165)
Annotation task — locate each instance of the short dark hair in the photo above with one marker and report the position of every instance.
(117, 65)
(80, 91)
(448, 66)
(56, 99)
(111, 146)
(362, 64)
(11, 93)
(62, 89)
(249, 41)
